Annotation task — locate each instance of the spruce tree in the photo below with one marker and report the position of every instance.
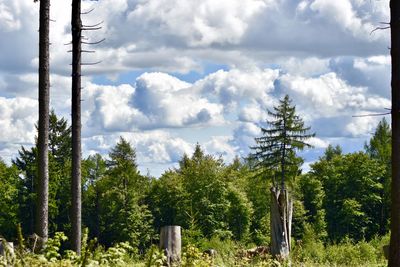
(275, 151)
(285, 134)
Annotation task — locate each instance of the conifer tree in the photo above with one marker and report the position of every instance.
(275, 151)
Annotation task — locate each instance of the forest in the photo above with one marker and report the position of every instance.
(340, 214)
(58, 208)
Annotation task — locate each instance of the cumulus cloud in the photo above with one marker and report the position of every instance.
(151, 146)
(319, 52)
(235, 85)
(8, 21)
(372, 72)
(221, 146)
(17, 120)
(157, 100)
(329, 96)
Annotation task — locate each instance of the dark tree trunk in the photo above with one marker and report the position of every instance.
(394, 249)
(76, 207)
(281, 222)
(42, 210)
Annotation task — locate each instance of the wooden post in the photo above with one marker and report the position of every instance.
(8, 248)
(170, 242)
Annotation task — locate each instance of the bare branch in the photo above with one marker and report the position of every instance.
(93, 43)
(379, 28)
(90, 64)
(91, 29)
(87, 12)
(371, 115)
(95, 25)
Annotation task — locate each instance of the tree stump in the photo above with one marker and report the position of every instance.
(281, 223)
(7, 249)
(170, 243)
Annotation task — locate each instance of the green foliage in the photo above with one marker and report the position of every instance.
(340, 206)
(203, 196)
(239, 213)
(276, 149)
(193, 257)
(59, 178)
(380, 149)
(155, 257)
(53, 245)
(9, 205)
(312, 195)
(352, 195)
(118, 196)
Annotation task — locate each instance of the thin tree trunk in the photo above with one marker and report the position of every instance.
(76, 212)
(394, 249)
(43, 135)
(281, 222)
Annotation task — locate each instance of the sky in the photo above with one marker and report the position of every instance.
(174, 73)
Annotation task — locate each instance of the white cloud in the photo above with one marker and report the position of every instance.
(235, 85)
(328, 95)
(318, 142)
(8, 21)
(157, 146)
(221, 146)
(208, 22)
(343, 14)
(17, 120)
(363, 126)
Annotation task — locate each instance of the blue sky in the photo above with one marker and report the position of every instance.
(176, 72)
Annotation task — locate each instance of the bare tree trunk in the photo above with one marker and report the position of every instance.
(170, 242)
(394, 249)
(43, 135)
(76, 208)
(281, 222)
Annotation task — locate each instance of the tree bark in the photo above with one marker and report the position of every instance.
(76, 207)
(42, 209)
(281, 222)
(170, 242)
(394, 248)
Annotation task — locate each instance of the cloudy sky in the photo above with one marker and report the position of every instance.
(178, 72)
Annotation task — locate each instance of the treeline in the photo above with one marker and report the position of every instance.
(342, 197)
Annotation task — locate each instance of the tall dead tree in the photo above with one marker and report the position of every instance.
(42, 209)
(76, 30)
(275, 154)
(76, 207)
(394, 249)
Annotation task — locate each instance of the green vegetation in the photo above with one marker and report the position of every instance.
(340, 215)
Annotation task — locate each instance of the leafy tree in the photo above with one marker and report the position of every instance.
(352, 195)
(59, 182)
(206, 202)
(123, 214)
(203, 196)
(313, 195)
(332, 151)
(275, 151)
(239, 213)
(9, 205)
(380, 149)
(94, 169)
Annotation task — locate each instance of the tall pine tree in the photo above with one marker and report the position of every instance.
(275, 151)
